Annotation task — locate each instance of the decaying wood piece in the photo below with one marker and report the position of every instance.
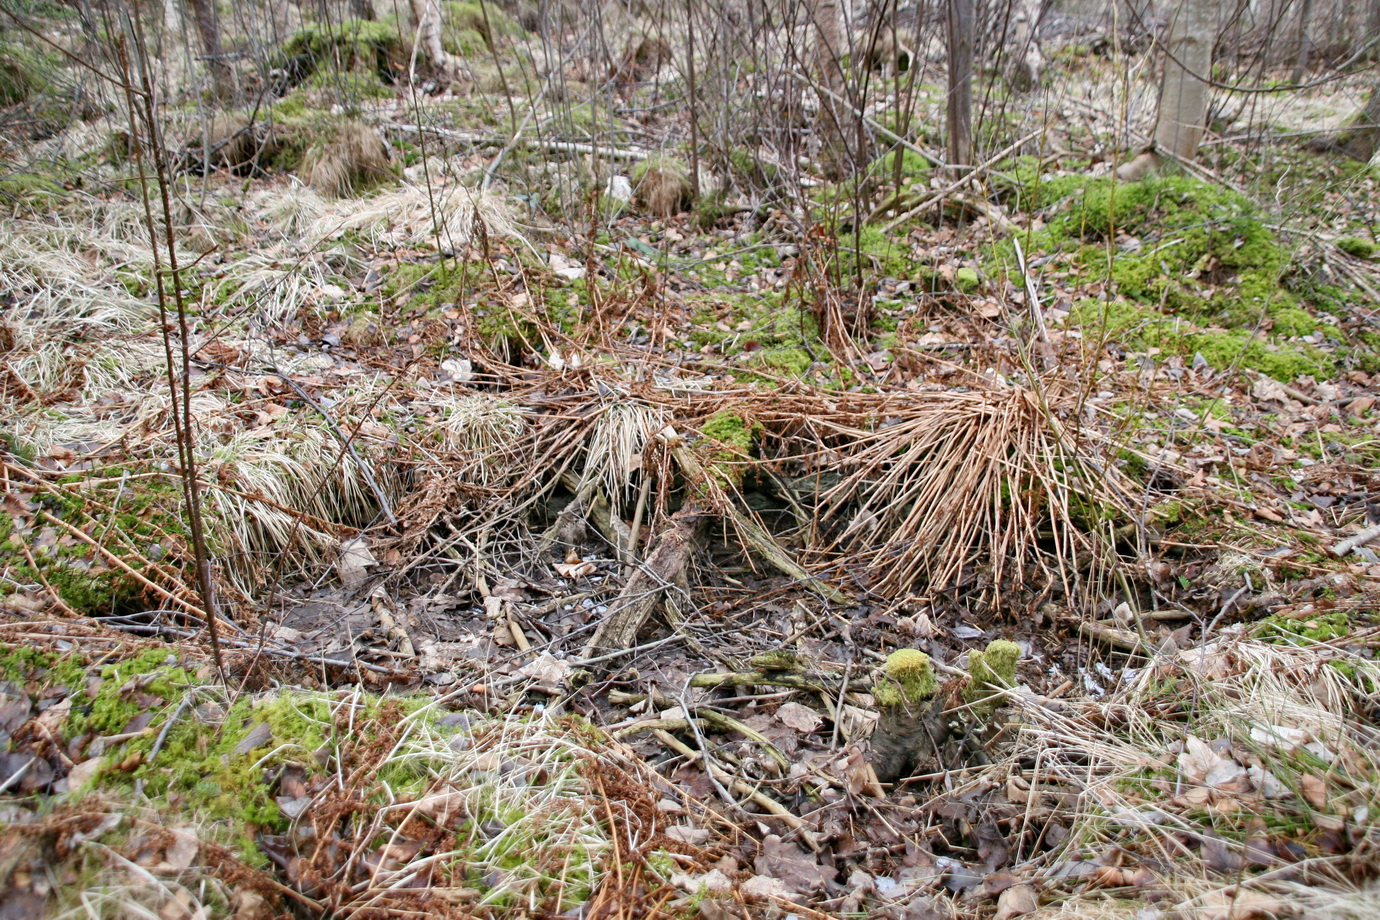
(1356, 541)
(1026, 58)
(645, 589)
(757, 538)
(921, 726)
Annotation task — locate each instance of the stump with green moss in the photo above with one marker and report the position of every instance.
(904, 693)
(922, 727)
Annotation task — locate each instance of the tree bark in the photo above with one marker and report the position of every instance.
(426, 16)
(362, 9)
(208, 27)
(1184, 88)
(829, 47)
(1302, 42)
(1026, 57)
(961, 26)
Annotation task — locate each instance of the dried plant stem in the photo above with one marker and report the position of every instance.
(142, 108)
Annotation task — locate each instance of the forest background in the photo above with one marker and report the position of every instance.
(729, 458)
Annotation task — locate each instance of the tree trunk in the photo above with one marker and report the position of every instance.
(362, 9)
(1184, 89)
(208, 27)
(426, 16)
(829, 47)
(960, 104)
(1302, 42)
(1026, 57)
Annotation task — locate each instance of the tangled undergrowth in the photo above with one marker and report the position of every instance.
(566, 494)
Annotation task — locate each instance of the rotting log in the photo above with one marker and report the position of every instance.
(648, 585)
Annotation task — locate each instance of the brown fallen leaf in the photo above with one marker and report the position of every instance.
(1314, 790)
(1016, 902)
(799, 717)
(575, 570)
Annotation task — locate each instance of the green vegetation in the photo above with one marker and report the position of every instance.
(1195, 266)
(481, 22)
(1355, 246)
(153, 725)
(1144, 327)
(907, 679)
(1201, 250)
(349, 45)
(990, 672)
(734, 437)
(1323, 627)
(22, 71)
(127, 518)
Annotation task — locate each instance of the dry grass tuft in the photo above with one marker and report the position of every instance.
(954, 485)
(1206, 776)
(353, 160)
(489, 436)
(617, 444)
(663, 186)
(444, 216)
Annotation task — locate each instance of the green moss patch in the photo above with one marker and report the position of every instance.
(516, 810)
(734, 437)
(483, 22)
(907, 679)
(759, 332)
(1324, 627)
(131, 518)
(1141, 327)
(349, 45)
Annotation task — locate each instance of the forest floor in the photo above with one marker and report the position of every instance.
(558, 542)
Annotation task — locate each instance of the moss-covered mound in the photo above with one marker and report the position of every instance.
(227, 792)
(95, 544)
(470, 28)
(1193, 268)
(344, 47)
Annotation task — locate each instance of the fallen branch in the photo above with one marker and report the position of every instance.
(1117, 638)
(767, 804)
(1356, 541)
(551, 146)
(630, 611)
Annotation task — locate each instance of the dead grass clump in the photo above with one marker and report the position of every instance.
(354, 159)
(231, 141)
(444, 215)
(663, 186)
(1234, 778)
(956, 486)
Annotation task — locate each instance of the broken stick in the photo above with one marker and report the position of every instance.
(647, 587)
